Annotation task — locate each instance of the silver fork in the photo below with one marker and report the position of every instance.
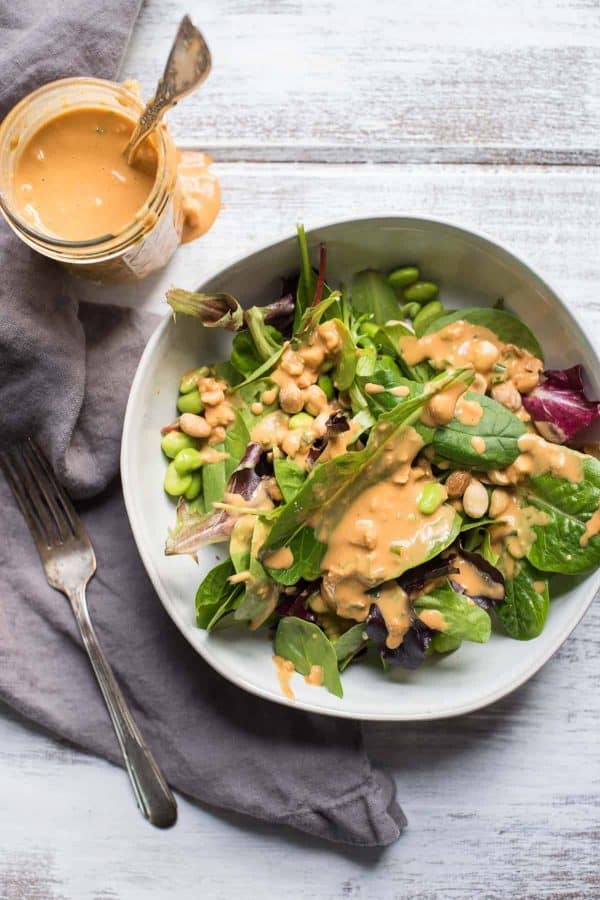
(69, 562)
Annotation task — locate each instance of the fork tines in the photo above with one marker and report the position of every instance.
(44, 504)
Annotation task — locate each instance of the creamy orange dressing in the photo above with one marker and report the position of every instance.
(592, 528)
(285, 670)
(478, 444)
(395, 608)
(378, 535)
(539, 587)
(315, 676)
(468, 412)
(72, 180)
(433, 619)
(538, 456)
(463, 344)
(441, 408)
(280, 559)
(201, 194)
(475, 582)
(516, 531)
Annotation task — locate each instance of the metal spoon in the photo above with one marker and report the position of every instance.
(188, 65)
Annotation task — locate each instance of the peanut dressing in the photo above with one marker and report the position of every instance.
(468, 412)
(200, 191)
(395, 608)
(433, 619)
(478, 444)
(285, 670)
(538, 456)
(442, 406)
(463, 344)
(280, 559)
(592, 528)
(515, 532)
(315, 676)
(476, 583)
(72, 180)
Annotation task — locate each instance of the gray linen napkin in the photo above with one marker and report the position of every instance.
(65, 372)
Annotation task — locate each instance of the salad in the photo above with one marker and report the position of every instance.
(391, 477)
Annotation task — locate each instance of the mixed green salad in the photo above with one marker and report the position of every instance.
(391, 477)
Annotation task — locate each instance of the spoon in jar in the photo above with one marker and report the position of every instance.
(188, 65)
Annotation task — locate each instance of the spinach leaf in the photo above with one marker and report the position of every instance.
(349, 643)
(465, 621)
(244, 357)
(524, 610)
(262, 593)
(216, 595)
(237, 438)
(214, 480)
(227, 372)
(308, 552)
(331, 483)
(568, 505)
(289, 476)
(499, 428)
(305, 645)
(372, 294)
(508, 327)
(443, 643)
(240, 542)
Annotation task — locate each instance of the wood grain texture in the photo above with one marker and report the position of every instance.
(341, 80)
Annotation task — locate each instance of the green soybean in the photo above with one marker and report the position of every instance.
(176, 484)
(190, 380)
(326, 385)
(175, 441)
(431, 498)
(421, 292)
(300, 420)
(410, 310)
(195, 487)
(403, 277)
(190, 403)
(428, 314)
(187, 460)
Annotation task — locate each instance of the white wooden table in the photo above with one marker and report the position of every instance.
(473, 110)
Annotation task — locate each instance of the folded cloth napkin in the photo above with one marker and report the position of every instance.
(65, 371)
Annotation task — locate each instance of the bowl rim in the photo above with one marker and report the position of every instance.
(592, 582)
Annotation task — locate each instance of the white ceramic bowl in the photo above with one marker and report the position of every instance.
(472, 270)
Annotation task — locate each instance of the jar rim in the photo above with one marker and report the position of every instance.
(107, 245)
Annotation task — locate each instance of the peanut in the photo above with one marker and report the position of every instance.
(475, 499)
(457, 483)
(194, 426)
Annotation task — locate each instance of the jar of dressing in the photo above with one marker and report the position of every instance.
(67, 190)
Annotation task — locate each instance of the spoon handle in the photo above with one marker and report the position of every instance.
(188, 65)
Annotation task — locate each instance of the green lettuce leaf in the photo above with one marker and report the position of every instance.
(305, 645)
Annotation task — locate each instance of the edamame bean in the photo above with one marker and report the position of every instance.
(300, 420)
(174, 441)
(421, 292)
(195, 487)
(190, 403)
(187, 460)
(432, 497)
(190, 380)
(401, 278)
(428, 314)
(176, 484)
(410, 310)
(326, 385)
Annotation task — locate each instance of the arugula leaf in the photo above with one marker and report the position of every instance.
(524, 610)
(267, 340)
(349, 643)
(508, 327)
(214, 310)
(499, 428)
(328, 483)
(305, 645)
(568, 505)
(289, 476)
(308, 552)
(465, 621)
(237, 438)
(244, 357)
(345, 367)
(240, 542)
(372, 294)
(216, 595)
(214, 480)
(262, 593)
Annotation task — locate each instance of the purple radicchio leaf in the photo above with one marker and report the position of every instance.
(414, 580)
(411, 652)
(337, 423)
(195, 530)
(217, 310)
(559, 407)
(492, 579)
(280, 314)
(296, 604)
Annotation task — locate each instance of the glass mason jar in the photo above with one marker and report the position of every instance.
(148, 241)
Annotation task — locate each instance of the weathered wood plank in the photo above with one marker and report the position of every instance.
(387, 82)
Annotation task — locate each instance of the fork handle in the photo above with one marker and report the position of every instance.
(153, 795)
